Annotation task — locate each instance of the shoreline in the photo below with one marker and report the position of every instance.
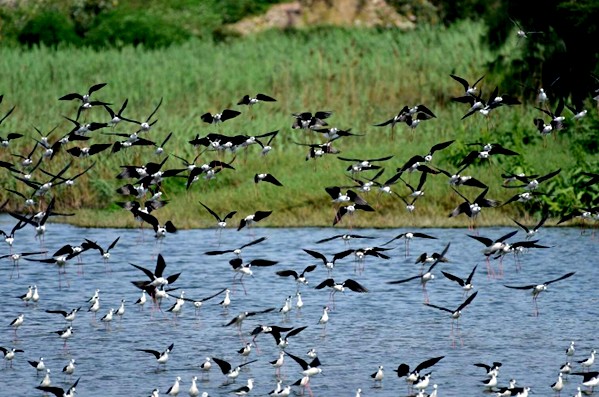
(427, 223)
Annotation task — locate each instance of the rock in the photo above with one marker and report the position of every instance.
(303, 13)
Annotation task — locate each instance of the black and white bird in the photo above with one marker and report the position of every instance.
(88, 150)
(244, 390)
(198, 303)
(413, 375)
(9, 354)
(244, 269)
(238, 320)
(487, 151)
(329, 264)
(222, 221)
(228, 370)
(38, 365)
(378, 375)
(86, 102)
(68, 316)
(589, 379)
(59, 391)
(495, 101)
(491, 369)
(468, 88)
(156, 277)
(65, 334)
(247, 100)
(223, 116)
(346, 238)
(299, 278)
(466, 284)
(349, 283)
(145, 126)
(17, 322)
(536, 289)
(409, 236)
(423, 277)
(265, 177)
(236, 251)
(457, 313)
(587, 362)
(69, 369)
(161, 357)
(253, 218)
(360, 165)
(104, 253)
(472, 209)
(308, 369)
(117, 117)
(160, 231)
(532, 231)
(175, 387)
(350, 209)
(307, 120)
(532, 183)
(558, 385)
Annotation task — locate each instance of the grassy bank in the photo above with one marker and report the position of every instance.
(363, 76)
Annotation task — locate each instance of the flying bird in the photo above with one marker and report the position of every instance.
(161, 357)
(59, 391)
(236, 251)
(223, 116)
(267, 178)
(247, 100)
(253, 218)
(468, 89)
(222, 221)
(455, 314)
(536, 289)
(466, 284)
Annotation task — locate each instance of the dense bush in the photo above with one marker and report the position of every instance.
(118, 29)
(49, 28)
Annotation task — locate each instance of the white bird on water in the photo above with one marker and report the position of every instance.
(46, 381)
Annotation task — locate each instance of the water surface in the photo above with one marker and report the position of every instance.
(387, 326)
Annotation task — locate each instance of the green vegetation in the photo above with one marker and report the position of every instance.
(113, 24)
(363, 76)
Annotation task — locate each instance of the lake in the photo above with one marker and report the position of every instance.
(388, 325)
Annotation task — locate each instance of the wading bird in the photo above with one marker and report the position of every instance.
(455, 315)
(536, 289)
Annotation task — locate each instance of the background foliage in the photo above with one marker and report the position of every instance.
(179, 50)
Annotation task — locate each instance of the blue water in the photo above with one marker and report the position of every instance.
(387, 326)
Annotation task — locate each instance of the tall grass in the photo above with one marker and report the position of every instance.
(363, 76)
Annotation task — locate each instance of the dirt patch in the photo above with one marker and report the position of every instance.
(302, 13)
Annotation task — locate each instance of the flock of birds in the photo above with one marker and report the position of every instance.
(39, 193)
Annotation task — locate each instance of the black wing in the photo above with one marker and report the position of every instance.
(329, 282)
(298, 360)
(154, 352)
(560, 278)
(404, 280)
(428, 363)
(467, 301)
(225, 367)
(261, 239)
(287, 273)
(211, 212)
(454, 278)
(520, 287)
(439, 307)
(354, 285)
(259, 215)
(317, 255)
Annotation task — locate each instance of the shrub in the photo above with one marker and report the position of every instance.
(120, 28)
(49, 28)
